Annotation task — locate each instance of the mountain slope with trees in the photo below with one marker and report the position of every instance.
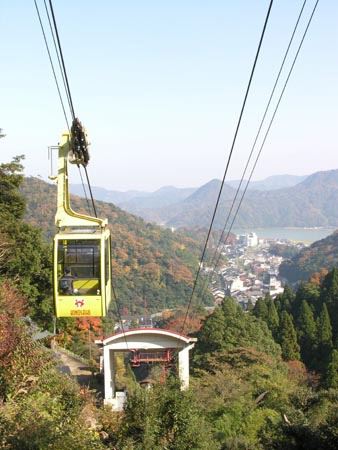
(153, 268)
(321, 255)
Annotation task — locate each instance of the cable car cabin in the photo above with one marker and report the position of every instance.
(82, 252)
(82, 274)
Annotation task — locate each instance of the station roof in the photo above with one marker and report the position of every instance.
(147, 338)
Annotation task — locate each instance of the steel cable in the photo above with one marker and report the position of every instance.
(268, 130)
(252, 150)
(228, 162)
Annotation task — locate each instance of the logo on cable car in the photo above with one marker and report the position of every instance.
(79, 302)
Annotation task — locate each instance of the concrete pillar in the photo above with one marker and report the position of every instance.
(183, 366)
(109, 374)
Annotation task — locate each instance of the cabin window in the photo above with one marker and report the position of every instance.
(79, 267)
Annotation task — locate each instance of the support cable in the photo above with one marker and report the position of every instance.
(253, 148)
(57, 54)
(71, 105)
(56, 81)
(228, 162)
(84, 190)
(62, 59)
(267, 132)
(52, 65)
(90, 191)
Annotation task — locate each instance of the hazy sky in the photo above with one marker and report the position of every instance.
(159, 86)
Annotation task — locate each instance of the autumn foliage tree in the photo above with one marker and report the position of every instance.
(24, 257)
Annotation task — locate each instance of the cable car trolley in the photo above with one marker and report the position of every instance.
(82, 259)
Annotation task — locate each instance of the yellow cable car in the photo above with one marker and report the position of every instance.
(82, 259)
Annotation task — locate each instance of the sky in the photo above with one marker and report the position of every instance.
(159, 86)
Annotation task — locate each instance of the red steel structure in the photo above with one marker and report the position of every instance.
(141, 357)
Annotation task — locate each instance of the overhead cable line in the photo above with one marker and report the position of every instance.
(228, 162)
(51, 63)
(56, 80)
(62, 60)
(252, 150)
(71, 105)
(57, 54)
(268, 129)
(84, 190)
(90, 191)
(67, 91)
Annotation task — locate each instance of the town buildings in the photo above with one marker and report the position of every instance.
(250, 270)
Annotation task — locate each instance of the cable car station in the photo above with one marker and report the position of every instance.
(147, 345)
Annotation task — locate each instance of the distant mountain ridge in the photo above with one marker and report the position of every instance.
(165, 196)
(106, 195)
(152, 206)
(134, 201)
(313, 202)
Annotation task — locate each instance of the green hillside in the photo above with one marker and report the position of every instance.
(321, 254)
(153, 267)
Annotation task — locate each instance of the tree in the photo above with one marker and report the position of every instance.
(287, 337)
(306, 333)
(324, 339)
(309, 292)
(230, 327)
(230, 309)
(261, 309)
(329, 295)
(272, 317)
(332, 371)
(249, 305)
(12, 204)
(284, 301)
(288, 296)
(28, 261)
(211, 336)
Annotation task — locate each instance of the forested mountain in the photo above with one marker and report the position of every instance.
(152, 267)
(320, 255)
(313, 202)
